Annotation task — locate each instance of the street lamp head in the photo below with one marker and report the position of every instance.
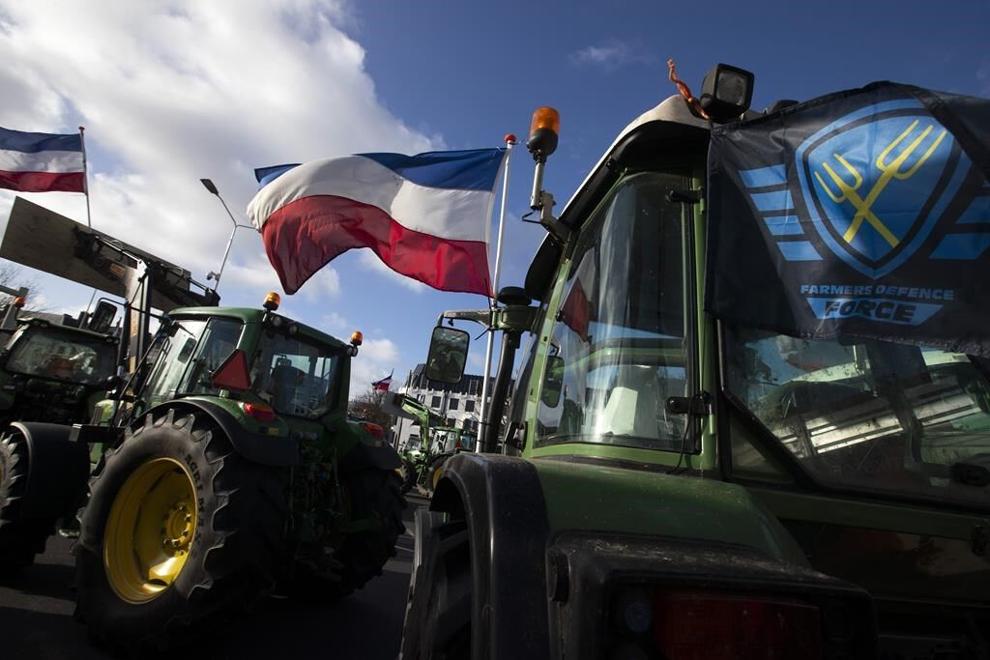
(209, 185)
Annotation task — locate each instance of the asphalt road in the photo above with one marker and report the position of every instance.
(36, 617)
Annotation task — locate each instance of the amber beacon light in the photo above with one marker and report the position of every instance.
(543, 132)
(272, 301)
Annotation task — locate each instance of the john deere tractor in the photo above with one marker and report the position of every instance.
(674, 482)
(228, 470)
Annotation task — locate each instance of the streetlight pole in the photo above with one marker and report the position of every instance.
(212, 188)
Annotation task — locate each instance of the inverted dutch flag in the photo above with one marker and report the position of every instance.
(425, 216)
(41, 162)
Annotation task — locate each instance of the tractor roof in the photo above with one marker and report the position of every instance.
(666, 131)
(672, 110)
(35, 319)
(255, 315)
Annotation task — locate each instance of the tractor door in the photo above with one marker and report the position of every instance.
(188, 356)
(616, 342)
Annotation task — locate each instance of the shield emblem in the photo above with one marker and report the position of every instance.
(872, 182)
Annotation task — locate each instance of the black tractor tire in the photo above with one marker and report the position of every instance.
(234, 551)
(374, 495)
(409, 474)
(438, 611)
(20, 538)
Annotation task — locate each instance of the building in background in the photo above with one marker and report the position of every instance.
(460, 403)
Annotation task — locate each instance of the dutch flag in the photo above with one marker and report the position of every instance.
(41, 162)
(425, 216)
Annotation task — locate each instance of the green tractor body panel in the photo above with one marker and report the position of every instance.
(598, 497)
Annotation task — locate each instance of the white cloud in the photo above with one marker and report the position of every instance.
(171, 91)
(610, 55)
(326, 283)
(334, 323)
(370, 261)
(477, 361)
(375, 359)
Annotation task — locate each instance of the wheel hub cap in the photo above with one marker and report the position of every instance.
(150, 530)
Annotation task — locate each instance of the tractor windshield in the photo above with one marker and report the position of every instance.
(297, 377)
(71, 357)
(870, 415)
(618, 348)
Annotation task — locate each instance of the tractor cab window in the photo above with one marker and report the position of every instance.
(218, 342)
(618, 348)
(868, 415)
(57, 354)
(295, 376)
(189, 355)
(173, 358)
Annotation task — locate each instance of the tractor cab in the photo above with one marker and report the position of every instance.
(52, 372)
(253, 362)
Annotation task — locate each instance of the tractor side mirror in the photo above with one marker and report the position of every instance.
(102, 317)
(553, 381)
(448, 355)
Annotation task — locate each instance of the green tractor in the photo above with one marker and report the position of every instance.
(669, 484)
(422, 462)
(228, 470)
(418, 456)
(223, 469)
(50, 373)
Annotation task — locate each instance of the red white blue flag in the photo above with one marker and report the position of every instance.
(383, 384)
(425, 216)
(41, 162)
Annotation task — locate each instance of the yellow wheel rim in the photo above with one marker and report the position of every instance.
(437, 473)
(150, 530)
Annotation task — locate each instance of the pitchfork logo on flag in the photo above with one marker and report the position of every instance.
(874, 180)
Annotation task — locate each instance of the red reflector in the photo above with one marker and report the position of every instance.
(260, 411)
(706, 626)
(374, 430)
(232, 374)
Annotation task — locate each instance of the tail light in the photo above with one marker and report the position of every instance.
(374, 430)
(259, 411)
(701, 625)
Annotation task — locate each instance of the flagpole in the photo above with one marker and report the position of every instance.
(89, 217)
(82, 141)
(510, 141)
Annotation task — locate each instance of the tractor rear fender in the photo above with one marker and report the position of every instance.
(502, 501)
(58, 469)
(255, 447)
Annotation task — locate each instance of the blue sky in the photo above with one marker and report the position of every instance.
(174, 91)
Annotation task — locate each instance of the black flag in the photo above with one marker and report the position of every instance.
(863, 213)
